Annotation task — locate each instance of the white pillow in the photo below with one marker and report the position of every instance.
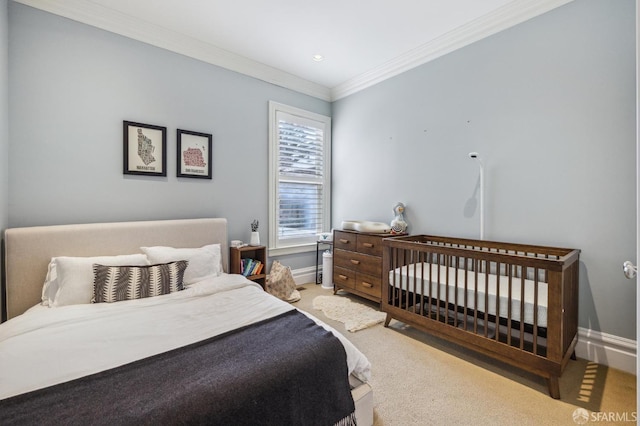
(75, 275)
(204, 262)
(50, 286)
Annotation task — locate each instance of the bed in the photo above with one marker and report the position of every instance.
(138, 323)
(516, 303)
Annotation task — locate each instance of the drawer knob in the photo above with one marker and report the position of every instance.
(367, 245)
(343, 241)
(366, 284)
(355, 262)
(343, 277)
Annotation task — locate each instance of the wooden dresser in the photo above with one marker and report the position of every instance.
(357, 263)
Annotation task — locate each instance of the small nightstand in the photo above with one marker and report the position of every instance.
(249, 252)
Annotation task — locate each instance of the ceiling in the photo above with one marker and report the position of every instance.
(362, 42)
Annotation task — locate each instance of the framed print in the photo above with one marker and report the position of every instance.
(194, 154)
(145, 149)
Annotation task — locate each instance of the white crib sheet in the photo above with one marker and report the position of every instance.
(409, 278)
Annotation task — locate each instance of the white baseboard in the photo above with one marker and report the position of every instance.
(613, 351)
(607, 349)
(304, 275)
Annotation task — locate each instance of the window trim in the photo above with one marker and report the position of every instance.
(275, 249)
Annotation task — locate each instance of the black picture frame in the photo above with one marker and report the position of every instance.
(194, 155)
(142, 145)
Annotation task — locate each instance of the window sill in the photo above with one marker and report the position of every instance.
(283, 251)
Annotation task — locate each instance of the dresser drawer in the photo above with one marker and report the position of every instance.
(344, 277)
(344, 241)
(358, 262)
(343, 258)
(369, 244)
(369, 284)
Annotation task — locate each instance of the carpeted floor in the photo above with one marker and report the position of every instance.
(421, 380)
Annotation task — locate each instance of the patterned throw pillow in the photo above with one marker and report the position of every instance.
(116, 283)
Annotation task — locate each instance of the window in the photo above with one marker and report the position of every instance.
(299, 178)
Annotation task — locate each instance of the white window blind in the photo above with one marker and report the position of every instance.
(299, 171)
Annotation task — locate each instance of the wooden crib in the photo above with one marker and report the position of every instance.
(513, 302)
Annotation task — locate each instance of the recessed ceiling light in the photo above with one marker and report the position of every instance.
(318, 58)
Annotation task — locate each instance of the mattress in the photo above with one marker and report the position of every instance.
(411, 278)
(46, 346)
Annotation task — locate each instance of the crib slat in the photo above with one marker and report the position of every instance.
(406, 262)
(430, 281)
(509, 307)
(447, 263)
(497, 318)
(475, 296)
(456, 302)
(535, 311)
(420, 261)
(393, 291)
(436, 263)
(397, 284)
(466, 293)
(486, 298)
(523, 273)
(420, 299)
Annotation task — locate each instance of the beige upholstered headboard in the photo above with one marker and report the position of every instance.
(29, 250)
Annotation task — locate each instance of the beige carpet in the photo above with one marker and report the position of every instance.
(422, 380)
(355, 316)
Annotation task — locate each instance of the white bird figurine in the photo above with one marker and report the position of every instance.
(398, 225)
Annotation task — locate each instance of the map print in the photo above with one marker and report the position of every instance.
(145, 148)
(193, 157)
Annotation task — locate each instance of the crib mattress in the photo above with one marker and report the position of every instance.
(492, 292)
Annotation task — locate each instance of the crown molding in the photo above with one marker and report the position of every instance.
(110, 20)
(505, 17)
(98, 16)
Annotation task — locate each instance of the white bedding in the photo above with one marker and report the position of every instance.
(414, 284)
(46, 346)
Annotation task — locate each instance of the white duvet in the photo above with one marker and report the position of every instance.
(46, 346)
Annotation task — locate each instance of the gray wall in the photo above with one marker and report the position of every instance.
(4, 122)
(550, 106)
(4, 112)
(72, 85)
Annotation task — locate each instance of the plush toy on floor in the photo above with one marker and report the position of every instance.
(398, 225)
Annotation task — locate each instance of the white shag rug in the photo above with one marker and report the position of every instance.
(354, 315)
